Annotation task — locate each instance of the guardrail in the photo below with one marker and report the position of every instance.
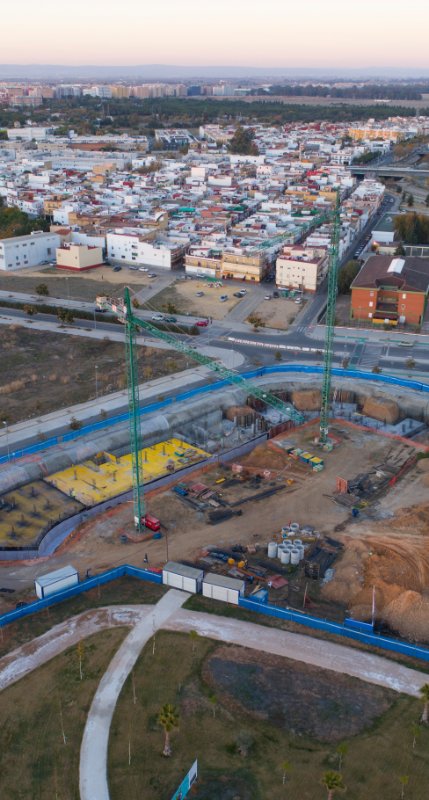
(337, 628)
(84, 586)
(213, 387)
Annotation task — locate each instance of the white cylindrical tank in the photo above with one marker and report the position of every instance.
(281, 549)
(272, 549)
(297, 542)
(301, 551)
(294, 557)
(285, 557)
(285, 530)
(294, 527)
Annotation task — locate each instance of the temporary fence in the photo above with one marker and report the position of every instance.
(339, 629)
(85, 430)
(89, 583)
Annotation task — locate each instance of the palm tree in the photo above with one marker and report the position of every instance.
(333, 781)
(341, 751)
(416, 731)
(168, 718)
(424, 693)
(286, 767)
(404, 781)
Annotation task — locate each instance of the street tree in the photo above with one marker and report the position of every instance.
(333, 782)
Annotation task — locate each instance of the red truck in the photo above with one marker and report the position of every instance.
(151, 522)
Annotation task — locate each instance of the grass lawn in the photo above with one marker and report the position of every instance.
(34, 760)
(231, 700)
(122, 591)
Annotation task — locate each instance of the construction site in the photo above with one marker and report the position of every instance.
(308, 488)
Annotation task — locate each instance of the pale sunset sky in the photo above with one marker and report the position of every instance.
(272, 33)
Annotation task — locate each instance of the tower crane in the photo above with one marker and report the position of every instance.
(132, 323)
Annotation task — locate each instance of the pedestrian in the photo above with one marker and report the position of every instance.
(146, 560)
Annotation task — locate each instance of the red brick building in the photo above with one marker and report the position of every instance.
(391, 290)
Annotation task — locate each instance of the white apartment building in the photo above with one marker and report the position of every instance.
(28, 251)
(29, 133)
(301, 268)
(129, 247)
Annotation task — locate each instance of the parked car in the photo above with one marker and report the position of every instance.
(157, 317)
(267, 297)
(143, 269)
(117, 269)
(199, 294)
(223, 298)
(100, 310)
(153, 275)
(170, 319)
(276, 294)
(238, 294)
(202, 323)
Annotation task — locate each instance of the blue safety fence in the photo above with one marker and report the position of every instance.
(337, 628)
(125, 570)
(213, 387)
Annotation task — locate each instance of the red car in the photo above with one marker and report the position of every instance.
(202, 323)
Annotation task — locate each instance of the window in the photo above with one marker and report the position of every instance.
(404, 296)
(371, 294)
(370, 304)
(49, 251)
(370, 315)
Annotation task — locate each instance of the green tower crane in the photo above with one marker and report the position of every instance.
(330, 323)
(132, 323)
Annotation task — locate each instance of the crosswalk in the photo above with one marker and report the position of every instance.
(371, 356)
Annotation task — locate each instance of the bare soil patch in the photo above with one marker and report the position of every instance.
(64, 283)
(278, 312)
(42, 372)
(296, 697)
(183, 297)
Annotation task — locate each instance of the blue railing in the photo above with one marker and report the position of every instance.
(212, 387)
(90, 583)
(337, 628)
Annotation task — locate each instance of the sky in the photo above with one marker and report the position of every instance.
(259, 33)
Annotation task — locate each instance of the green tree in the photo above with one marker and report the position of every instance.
(404, 779)
(400, 250)
(286, 767)
(412, 228)
(410, 201)
(29, 310)
(242, 142)
(42, 289)
(333, 782)
(168, 718)
(278, 355)
(424, 694)
(341, 751)
(347, 275)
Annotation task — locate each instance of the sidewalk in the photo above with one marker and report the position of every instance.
(93, 753)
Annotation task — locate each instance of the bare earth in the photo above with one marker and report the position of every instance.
(183, 295)
(278, 312)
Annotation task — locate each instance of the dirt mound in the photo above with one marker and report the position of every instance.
(307, 399)
(266, 457)
(383, 409)
(423, 465)
(409, 615)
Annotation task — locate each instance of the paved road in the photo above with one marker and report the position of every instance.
(93, 753)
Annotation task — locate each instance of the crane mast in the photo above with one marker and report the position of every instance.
(330, 323)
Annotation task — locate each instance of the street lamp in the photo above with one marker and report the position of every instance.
(95, 321)
(7, 437)
(96, 381)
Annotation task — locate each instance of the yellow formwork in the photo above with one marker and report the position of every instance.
(28, 512)
(106, 476)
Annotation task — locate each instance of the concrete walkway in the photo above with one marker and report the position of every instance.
(93, 753)
(318, 652)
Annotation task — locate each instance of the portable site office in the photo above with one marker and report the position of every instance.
(221, 587)
(180, 576)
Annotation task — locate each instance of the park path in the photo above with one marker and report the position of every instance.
(33, 654)
(318, 652)
(93, 752)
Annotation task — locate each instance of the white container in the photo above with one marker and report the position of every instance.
(57, 581)
(272, 549)
(285, 557)
(297, 542)
(180, 576)
(285, 530)
(294, 557)
(301, 550)
(294, 527)
(221, 587)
